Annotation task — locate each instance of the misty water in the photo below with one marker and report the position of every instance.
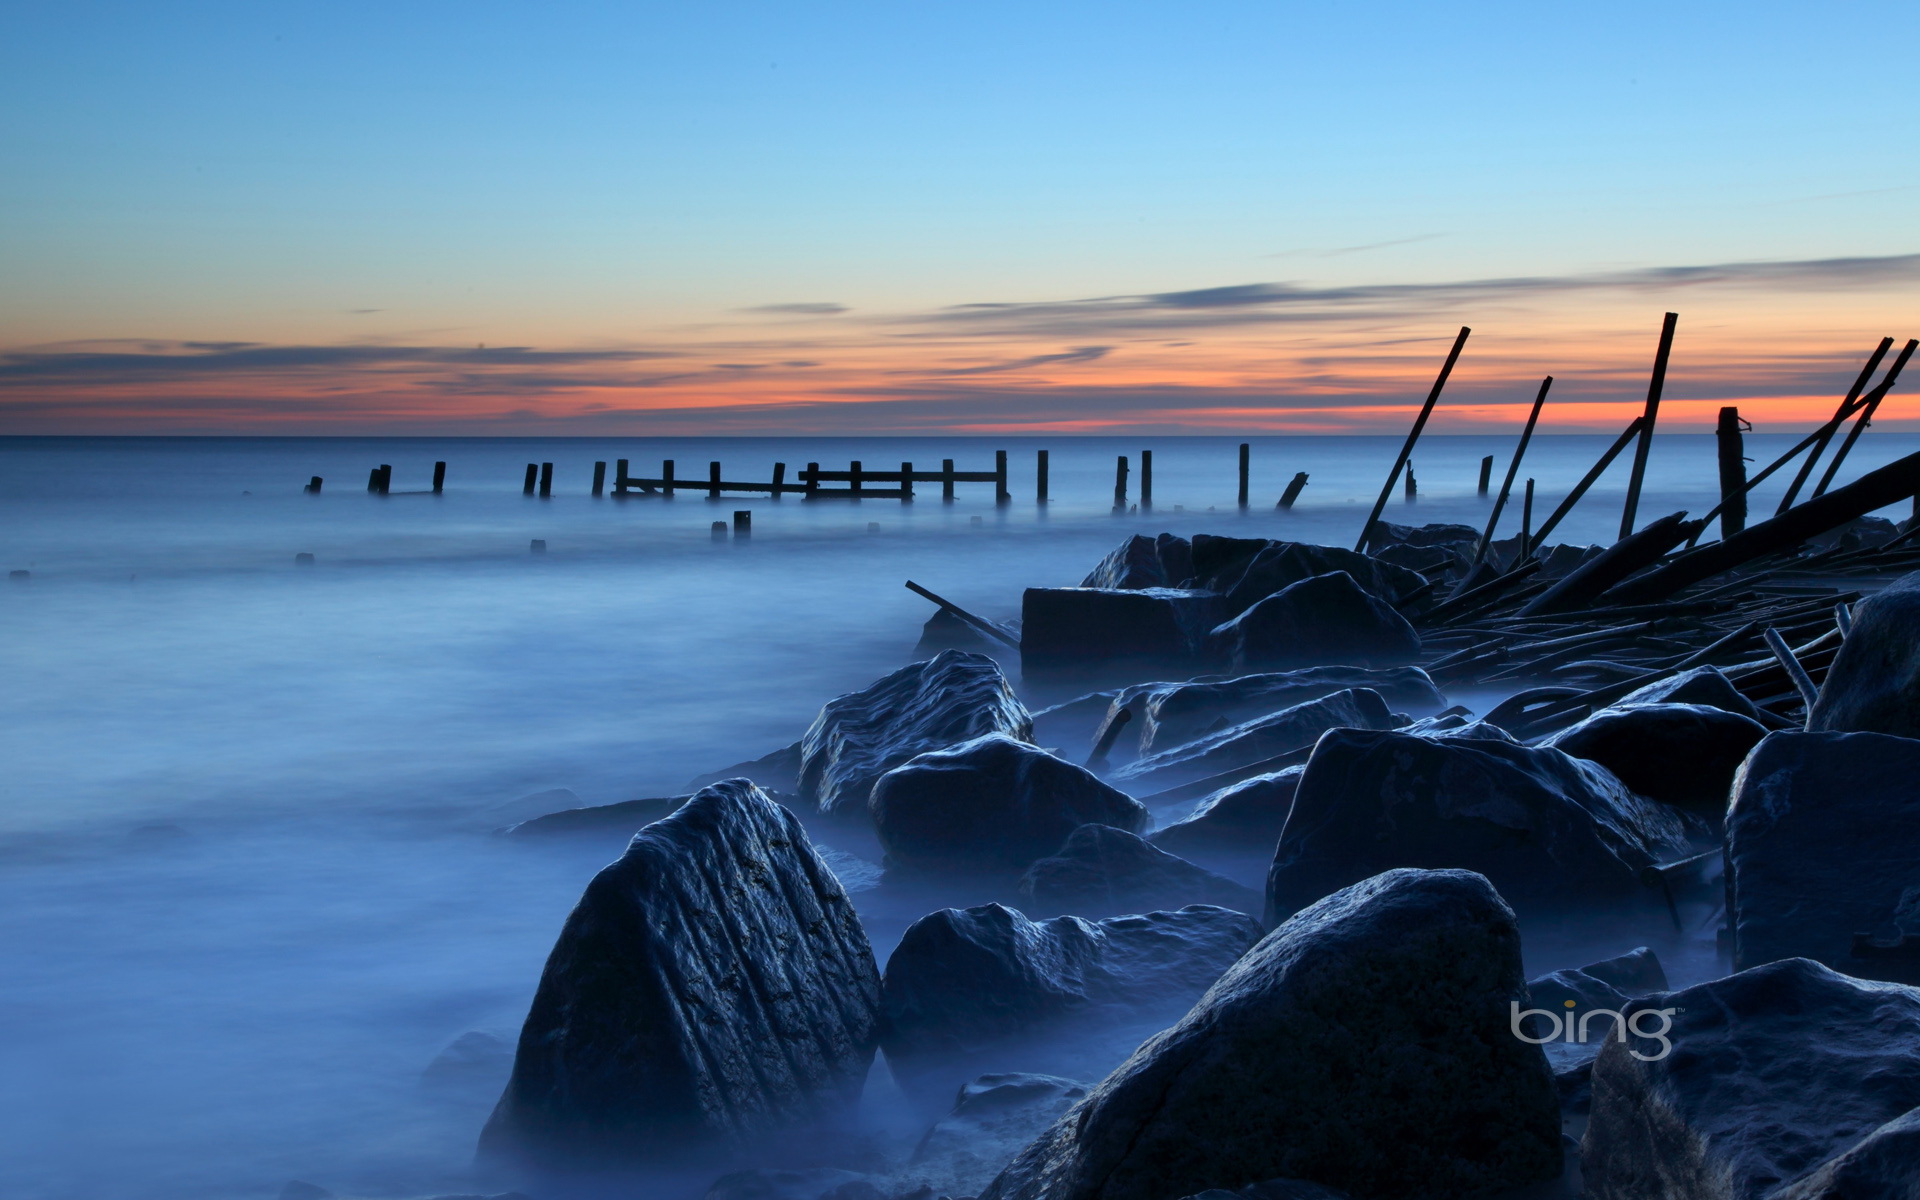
(250, 886)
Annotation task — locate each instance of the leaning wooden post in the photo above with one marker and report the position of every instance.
(1246, 453)
(1413, 435)
(1733, 473)
(373, 481)
(946, 480)
(1866, 417)
(1526, 521)
(313, 486)
(812, 478)
(1486, 474)
(1513, 469)
(1000, 493)
(779, 479)
(599, 478)
(439, 478)
(620, 477)
(1647, 418)
(1293, 491)
(1580, 489)
(906, 483)
(1040, 477)
(1120, 484)
(666, 476)
(1146, 480)
(713, 481)
(546, 479)
(1827, 431)
(533, 478)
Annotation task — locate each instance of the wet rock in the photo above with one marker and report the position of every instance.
(991, 804)
(1701, 685)
(1246, 817)
(1679, 754)
(1554, 833)
(1172, 713)
(1111, 629)
(1822, 846)
(1772, 1073)
(993, 1119)
(944, 631)
(967, 988)
(1257, 740)
(1364, 1045)
(930, 705)
(1324, 620)
(1102, 870)
(1144, 562)
(711, 988)
(814, 1183)
(1248, 570)
(1874, 683)
(1607, 985)
(1884, 1163)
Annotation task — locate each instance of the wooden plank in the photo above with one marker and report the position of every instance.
(1293, 490)
(980, 623)
(1513, 469)
(1655, 386)
(1827, 431)
(1866, 417)
(1413, 435)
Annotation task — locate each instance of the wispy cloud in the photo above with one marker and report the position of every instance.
(149, 361)
(1079, 354)
(815, 308)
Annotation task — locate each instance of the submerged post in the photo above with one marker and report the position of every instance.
(1733, 473)
(1146, 480)
(546, 479)
(1000, 493)
(946, 480)
(439, 478)
(1040, 477)
(906, 483)
(1647, 418)
(1293, 491)
(599, 478)
(854, 471)
(713, 481)
(717, 531)
(1486, 474)
(666, 476)
(1412, 489)
(313, 486)
(811, 479)
(620, 477)
(779, 479)
(1120, 484)
(386, 478)
(1246, 456)
(533, 477)
(742, 524)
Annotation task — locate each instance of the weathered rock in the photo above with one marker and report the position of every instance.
(929, 705)
(711, 988)
(1700, 685)
(1102, 870)
(1144, 562)
(993, 804)
(967, 987)
(1248, 570)
(1884, 1163)
(1246, 817)
(811, 1183)
(1172, 713)
(1679, 754)
(944, 631)
(1070, 725)
(1325, 620)
(1109, 629)
(1257, 740)
(1773, 1072)
(1364, 1045)
(1874, 683)
(1823, 845)
(1553, 832)
(778, 771)
(1608, 985)
(993, 1119)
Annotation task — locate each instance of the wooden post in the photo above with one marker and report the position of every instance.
(812, 478)
(906, 483)
(713, 481)
(1486, 474)
(546, 479)
(386, 478)
(946, 480)
(1526, 520)
(1827, 431)
(439, 478)
(313, 486)
(373, 480)
(717, 531)
(1146, 480)
(779, 480)
(533, 477)
(1120, 484)
(666, 476)
(1733, 473)
(1866, 416)
(1412, 488)
(1293, 491)
(1513, 468)
(1647, 418)
(742, 524)
(1039, 477)
(854, 471)
(1413, 435)
(1246, 453)
(620, 477)
(1000, 493)
(1580, 489)
(599, 478)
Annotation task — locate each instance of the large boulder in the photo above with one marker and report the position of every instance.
(1607, 985)
(1364, 1045)
(1106, 630)
(1874, 683)
(992, 804)
(1172, 713)
(1323, 620)
(712, 988)
(1255, 741)
(1144, 562)
(1102, 870)
(1553, 832)
(1240, 819)
(1247, 570)
(929, 705)
(1699, 685)
(993, 1119)
(1823, 847)
(969, 990)
(1734, 1089)
(1679, 754)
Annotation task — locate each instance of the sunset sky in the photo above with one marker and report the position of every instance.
(895, 218)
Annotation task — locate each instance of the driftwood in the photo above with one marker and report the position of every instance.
(1513, 469)
(1827, 431)
(1631, 553)
(1865, 418)
(980, 623)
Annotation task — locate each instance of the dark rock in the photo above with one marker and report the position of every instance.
(1822, 845)
(538, 804)
(1257, 740)
(993, 1119)
(814, 1183)
(1874, 683)
(475, 1059)
(1772, 1073)
(1679, 754)
(1102, 870)
(1113, 629)
(776, 772)
(628, 816)
(1144, 562)
(993, 804)
(1553, 832)
(1070, 725)
(1248, 570)
(1607, 986)
(1364, 1045)
(970, 985)
(1884, 1163)
(1701, 685)
(1861, 533)
(1246, 817)
(712, 987)
(1173, 713)
(944, 631)
(1324, 620)
(929, 705)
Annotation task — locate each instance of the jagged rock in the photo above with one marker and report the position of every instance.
(992, 804)
(1364, 1045)
(1144, 562)
(711, 988)
(1070, 725)
(1701, 685)
(627, 816)
(1553, 832)
(944, 631)
(1555, 561)
(1874, 683)
(1884, 1163)
(1772, 1073)
(1111, 628)
(1248, 570)
(1679, 754)
(1822, 846)
(1257, 740)
(993, 1119)
(1172, 713)
(1325, 620)
(929, 705)
(812, 1183)
(970, 987)
(1102, 870)
(1246, 817)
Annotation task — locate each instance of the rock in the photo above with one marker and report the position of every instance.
(1327, 619)
(1102, 870)
(712, 987)
(1884, 1163)
(1607, 985)
(1112, 629)
(1553, 833)
(991, 804)
(1245, 817)
(1070, 725)
(944, 631)
(474, 1059)
(1860, 533)
(535, 805)
(1143, 562)
(628, 816)
(1701, 685)
(930, 705)
(967, 987)
(1874, 683)
(814, 1183)
(1248, 570)
(1364, 1045)
(1771, 1073)
(1255, 741)
(778, 771)
(1173, 713)
(1679, 754)
(993, 1119)
(1822, 846)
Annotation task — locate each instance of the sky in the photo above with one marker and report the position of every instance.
(832, 218)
